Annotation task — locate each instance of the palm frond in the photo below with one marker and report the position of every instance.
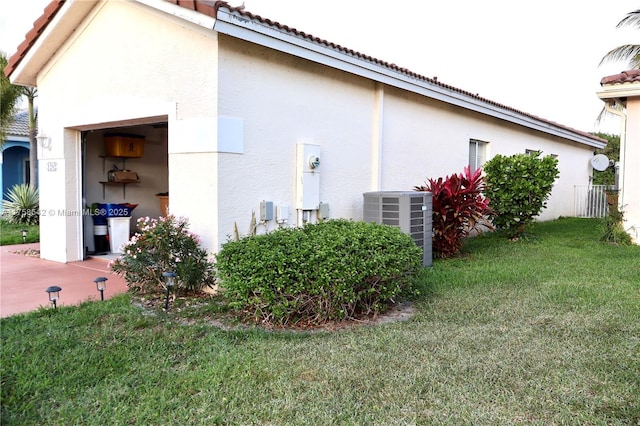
(605, 113)
(628, 52)
(632, 20)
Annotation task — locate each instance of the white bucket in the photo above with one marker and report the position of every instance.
(118, 232)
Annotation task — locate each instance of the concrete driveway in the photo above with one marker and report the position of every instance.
(23, 280)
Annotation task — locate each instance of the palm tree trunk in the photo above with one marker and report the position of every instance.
(33, 146)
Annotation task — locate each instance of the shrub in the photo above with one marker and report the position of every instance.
(331, 270)
(519, 187)
(162, 245)
(22, 206)
(612, 151)
(458, 208)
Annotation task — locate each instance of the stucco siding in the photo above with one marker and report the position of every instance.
(235, 113)
(125, 63)
(194, 193)
(284, 101)
(631, 200)
(146, 55)
(437, 136)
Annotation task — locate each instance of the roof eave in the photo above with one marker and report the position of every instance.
(31, 59)
(204, 18)
(64, 16)
(61, 18)
(256, 31)
(620, 91)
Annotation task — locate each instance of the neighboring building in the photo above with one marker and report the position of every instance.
(624, 90)
(232, 106)
(14, 161)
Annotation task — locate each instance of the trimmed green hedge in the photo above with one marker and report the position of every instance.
(519, 187)
(326, 271)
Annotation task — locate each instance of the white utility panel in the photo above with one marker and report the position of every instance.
(308, 165)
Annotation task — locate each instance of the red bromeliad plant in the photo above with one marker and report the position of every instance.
(458, 208)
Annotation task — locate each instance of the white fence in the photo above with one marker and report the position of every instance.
(591, 200)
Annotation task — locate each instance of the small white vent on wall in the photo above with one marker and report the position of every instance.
(410, 211)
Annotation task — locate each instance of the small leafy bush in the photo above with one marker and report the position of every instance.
(22, 206)
(331, 270)
(519, 187)
(612, 151)
(458, 208)
(162, 245)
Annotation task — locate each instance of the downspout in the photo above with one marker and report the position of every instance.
(623, 145)
(376, 149)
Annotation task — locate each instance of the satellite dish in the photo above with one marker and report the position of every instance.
(600, 162)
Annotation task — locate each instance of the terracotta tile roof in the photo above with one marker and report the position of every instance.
(202, 5)
(30, 38)
(206, 7)
(630, 76)
(210, 8)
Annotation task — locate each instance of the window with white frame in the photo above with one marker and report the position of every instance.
(477, 153)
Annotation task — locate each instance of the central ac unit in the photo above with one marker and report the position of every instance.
(410, 211)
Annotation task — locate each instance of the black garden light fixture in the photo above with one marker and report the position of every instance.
(24, 235)
(169, 281)
(101, 285)
(54, 294)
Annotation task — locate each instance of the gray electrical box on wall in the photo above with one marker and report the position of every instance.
(410, 211)
(266, 211)
(323, 211)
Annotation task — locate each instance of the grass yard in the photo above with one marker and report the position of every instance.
(12, 234)
(542, 331)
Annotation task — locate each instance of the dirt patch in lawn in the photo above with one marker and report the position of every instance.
(192, 309)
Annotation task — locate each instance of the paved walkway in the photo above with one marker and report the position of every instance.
(23, 280)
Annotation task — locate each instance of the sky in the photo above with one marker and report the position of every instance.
(540, 57)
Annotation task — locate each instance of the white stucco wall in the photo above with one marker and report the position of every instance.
(125, 64)
(285, 100)
(631, 192)
(439, 135)
(235, 113)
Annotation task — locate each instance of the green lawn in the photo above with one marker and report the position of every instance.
(12, 234)
(541, 331)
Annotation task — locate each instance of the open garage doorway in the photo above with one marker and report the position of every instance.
(125, 176)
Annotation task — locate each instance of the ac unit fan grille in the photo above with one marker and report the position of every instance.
(408, 211)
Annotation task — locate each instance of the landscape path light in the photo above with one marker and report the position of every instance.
(24, 235)
(54, 294)
(101, 285)
(169, 281)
